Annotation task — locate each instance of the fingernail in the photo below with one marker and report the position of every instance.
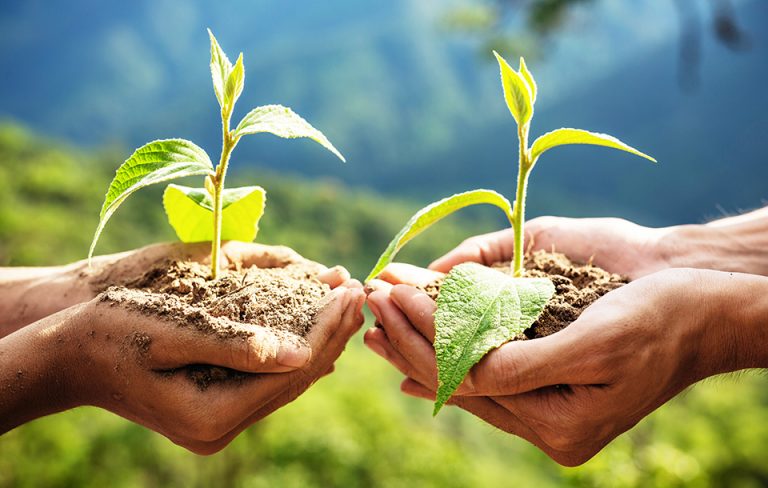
(375, 310)
(377, 348)
(293, 355)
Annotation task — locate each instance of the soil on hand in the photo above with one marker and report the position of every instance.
(577, 286)
(284, 298)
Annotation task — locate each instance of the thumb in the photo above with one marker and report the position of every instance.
(522, 366)
(252, 349)
(484, 249)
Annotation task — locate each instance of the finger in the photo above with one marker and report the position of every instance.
(249, 254)
(521, 366)
(401, 273)
(415, 389)
(418, 307)
(353, 283)
(377, 341)
(377, 284)
(340, 318)
(334, 276)
(484, 249)
(404, 338)
(253, 349)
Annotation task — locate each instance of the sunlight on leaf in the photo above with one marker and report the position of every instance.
(190, 212)
(156, 162)
(431, 214)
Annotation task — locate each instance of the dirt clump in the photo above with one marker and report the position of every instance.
(577, 286)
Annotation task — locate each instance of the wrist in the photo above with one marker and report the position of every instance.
(737, 248)
(39, 370)
(733, 321)
(30, 294)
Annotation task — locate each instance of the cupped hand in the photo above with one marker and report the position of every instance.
(616, 245)
(135, 366)
(571, 393)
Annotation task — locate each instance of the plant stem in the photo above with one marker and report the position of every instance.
(227, 145)
(518, 212)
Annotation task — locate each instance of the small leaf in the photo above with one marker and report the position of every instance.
(282, 122)
(221, 67)
(480, 309)
(431, 214)
(190, 212)
(565, 136)
(529, 79)
(516, 92)
(156, 162)
(235, 83)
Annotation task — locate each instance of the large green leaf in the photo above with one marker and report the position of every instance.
(282, 122)
(480, 309)
(517, 93)
(565, 136)
(156, 162)
(190, 212)
(431, 214)
(221, 67)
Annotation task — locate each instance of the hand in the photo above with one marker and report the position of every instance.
(29, 294)
(104, 354)
(571, 393)
(616, 245)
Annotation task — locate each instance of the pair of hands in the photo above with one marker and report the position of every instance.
(87, 353)
(571, 393)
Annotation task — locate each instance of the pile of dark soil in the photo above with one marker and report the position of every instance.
(577, 286)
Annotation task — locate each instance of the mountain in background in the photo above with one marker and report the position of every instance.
(412, 105)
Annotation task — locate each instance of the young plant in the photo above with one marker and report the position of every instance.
(211, 213)
(478, 308)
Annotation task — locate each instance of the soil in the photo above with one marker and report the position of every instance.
(576, 287)
(284, 298)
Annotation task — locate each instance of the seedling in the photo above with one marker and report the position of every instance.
(211, 213)
(478, 308)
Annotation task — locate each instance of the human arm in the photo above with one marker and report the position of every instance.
(731, 244)
(104, 354)
(28, 294)
(574, 391)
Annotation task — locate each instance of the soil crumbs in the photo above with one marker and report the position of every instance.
(577, 286)
(285, 299)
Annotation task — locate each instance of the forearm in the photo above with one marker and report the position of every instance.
(29, 294)
(736, 327)
(738, 244)
(35, 369)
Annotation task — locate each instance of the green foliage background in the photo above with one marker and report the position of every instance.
(353, 428)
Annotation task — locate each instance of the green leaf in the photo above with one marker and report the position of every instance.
(529, 79)
(190, 212)
(221, 67)
(156, 162)
(431, 214)
(282, 122)
(480, 309)
(235, 82)
(517, 93)
(565, 136)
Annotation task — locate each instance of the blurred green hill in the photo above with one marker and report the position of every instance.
(354, 428)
